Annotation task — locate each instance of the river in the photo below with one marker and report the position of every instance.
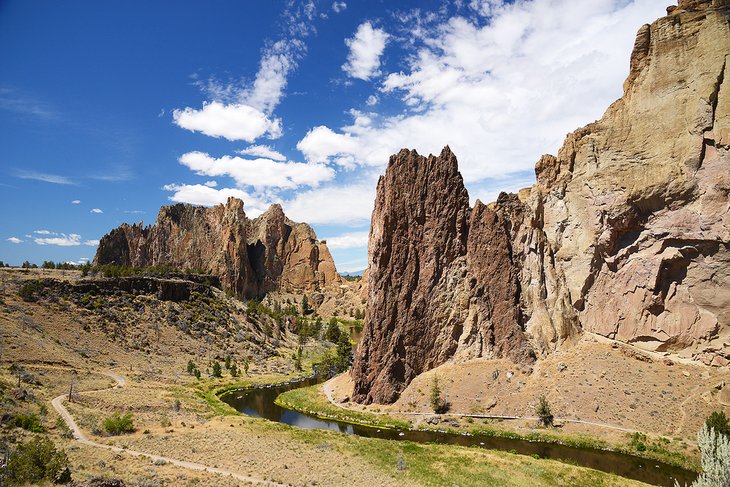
(260, 403)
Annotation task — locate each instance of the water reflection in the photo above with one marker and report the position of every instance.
(260, 403)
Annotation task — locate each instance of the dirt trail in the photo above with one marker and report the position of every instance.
(328, 392)
(79, 436)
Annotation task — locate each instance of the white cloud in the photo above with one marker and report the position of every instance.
(233, 122)
(372, 100)
(91, 243)
(486, 8)
(44, 177)
(258, 173)
(14, 240)
(339, 7)
(243, 110)
(198, 194)
(44, 232)
(500, 92)
(211, 184)
(335, 205)
(276, 63)
(76, 202)
(96, 210)
(62, 240)
(262, 151)
(322, 144)
(350, 240)
(366, 47)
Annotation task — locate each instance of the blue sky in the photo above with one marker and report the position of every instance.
(110, 110)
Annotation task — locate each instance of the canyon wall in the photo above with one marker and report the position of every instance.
(625, 234)
(250, 256)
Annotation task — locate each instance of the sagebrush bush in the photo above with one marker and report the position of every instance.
(118, 424)
(29, 290)
(715, 457)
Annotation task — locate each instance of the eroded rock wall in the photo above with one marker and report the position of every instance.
(250, 256)
(636, 205)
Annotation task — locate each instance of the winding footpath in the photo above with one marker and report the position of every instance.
(79, 436)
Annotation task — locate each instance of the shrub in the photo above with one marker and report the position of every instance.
(543, 411)
(638, 441)
(37, 460)
(715, 458)
(118, 424)
(29, 422)
(29, 290)
(719, 422)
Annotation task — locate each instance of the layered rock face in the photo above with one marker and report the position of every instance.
(636, 205)
(625, 234)
(251, 257)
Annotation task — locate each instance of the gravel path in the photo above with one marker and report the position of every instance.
(79, 436)
(328, 392)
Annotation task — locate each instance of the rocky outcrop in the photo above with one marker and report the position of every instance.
(250, 256)
(626, 233)
(638, 214)
(164, 288)
(441, 279)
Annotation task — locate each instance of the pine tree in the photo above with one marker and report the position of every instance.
(217, 372)
(543, 411)
(333, 331)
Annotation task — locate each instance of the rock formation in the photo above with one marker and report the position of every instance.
(441, 278)
(251, 257)
(625, 234)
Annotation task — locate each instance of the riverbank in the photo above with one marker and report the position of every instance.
(315, 402)
(175, 429)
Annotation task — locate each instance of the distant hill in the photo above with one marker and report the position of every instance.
(353, 274)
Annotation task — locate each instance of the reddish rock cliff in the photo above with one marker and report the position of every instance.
(251, 257)
(429, 297)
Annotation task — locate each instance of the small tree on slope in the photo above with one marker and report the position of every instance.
(715, 457)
